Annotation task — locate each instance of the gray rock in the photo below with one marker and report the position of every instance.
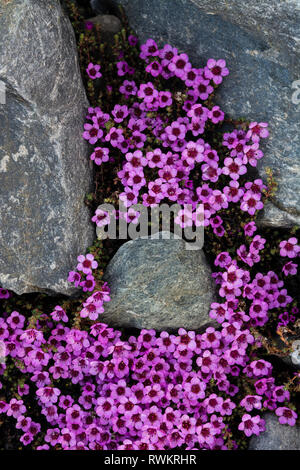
(260, 42)
(157, 283)
(44, 168)
(109, 24)
(277, 436)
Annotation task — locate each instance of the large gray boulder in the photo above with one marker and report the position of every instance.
(260, 42)
(277, 436)
(44, 169)
(157, 283)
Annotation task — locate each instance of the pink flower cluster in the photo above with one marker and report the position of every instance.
(86, 264)
(149, 392)
(93, 305)
(163, 173)
(264, 292)
(286, 317)
(153, 391)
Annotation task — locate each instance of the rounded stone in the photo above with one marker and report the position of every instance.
(158, 283)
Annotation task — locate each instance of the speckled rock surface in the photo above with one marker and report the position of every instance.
(260, 42)
(44, 168)
(277, 436)
(159, 284)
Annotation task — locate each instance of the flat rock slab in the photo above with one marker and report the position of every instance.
(277, 436)
(157, 283)
(260, 42)
(44, 167)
